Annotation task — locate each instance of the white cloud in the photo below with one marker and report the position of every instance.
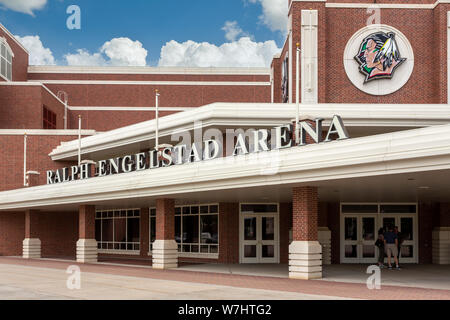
(232, 30)
(241, 53)
(275, 14)
(116, 52)
(24, 6)
(38, 54)
(84, 58)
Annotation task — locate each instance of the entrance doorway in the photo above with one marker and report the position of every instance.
(359, 230)
(259, 233)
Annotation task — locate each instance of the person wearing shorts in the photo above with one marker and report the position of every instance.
(391, 245)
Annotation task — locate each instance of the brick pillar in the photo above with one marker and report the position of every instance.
(425, 217)
(165, 248)
(305, 251)
(87, 251)
(285, 226)
(144, 232)
(228, 233)
(31, 243)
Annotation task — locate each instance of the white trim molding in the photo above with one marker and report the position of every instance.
(111, 108)
(384, 5)
(309, 62)
(156, 83)
(418, 150)
(148, 70)
(13, 38)
(33, 83)
(241, 115)
(42, 132)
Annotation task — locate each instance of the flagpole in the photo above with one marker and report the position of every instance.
(157, 120)
(297, 95)
(79, 140)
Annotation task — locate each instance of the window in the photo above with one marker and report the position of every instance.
(196, 228)
(6, 56)
(118, 230)
(49, 119)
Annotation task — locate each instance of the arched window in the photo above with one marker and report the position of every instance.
(6, 56)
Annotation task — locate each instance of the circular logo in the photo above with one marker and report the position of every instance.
(378, 59)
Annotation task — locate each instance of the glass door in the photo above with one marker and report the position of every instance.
(359, 236)
(250, 241)
(407, 232)
(259, 238)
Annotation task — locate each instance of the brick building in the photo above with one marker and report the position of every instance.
(220, 175)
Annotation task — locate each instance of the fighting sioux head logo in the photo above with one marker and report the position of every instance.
(378, 56)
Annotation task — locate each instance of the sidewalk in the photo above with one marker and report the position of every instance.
(102, 276)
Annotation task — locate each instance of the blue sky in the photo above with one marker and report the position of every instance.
(153, 23)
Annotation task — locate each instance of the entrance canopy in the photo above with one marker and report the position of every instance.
(411, 165)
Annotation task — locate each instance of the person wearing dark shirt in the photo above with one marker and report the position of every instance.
(391, 243)
(380, 244)
(400, 239)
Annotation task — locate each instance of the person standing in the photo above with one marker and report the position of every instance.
(391, 244)
(381, 249)
(400, 239)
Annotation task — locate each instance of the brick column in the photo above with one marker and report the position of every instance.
(144, 232)
(87, 251)
(165, 248)
(228, 233)
(31, 243)
(305, 251)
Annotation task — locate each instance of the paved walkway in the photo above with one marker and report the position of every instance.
(411, 275)
(47, 279)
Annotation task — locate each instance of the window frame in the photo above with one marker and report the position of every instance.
(181, 253)
(126, 251)
(48, 124)
(9, 51)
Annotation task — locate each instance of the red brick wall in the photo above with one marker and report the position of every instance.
(144, 232)
(304, 214)
(165, 219)
(86, 222)
(20, 60)
(426, 29)
(108, 120)
(277, 81)
(444, 215)
(144, 96)
(21, 107)
(228, 233)
(149, 77)
(171, 95)
(38, 148)
(58, 232)
(12, 231)
(285, 226)
(333, 219)
(383, 1)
